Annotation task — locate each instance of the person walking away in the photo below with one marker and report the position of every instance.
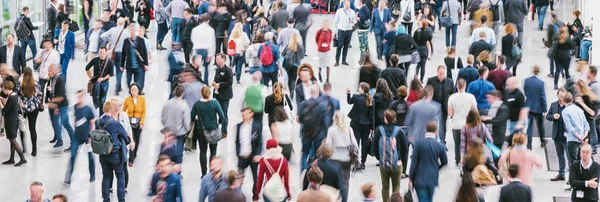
(499, 75)
(268, 167)
(99, 77)
(223, 92)
(65, 44)
(175, 117)
(282, 131)
(391, 148)
(115, 37)
(293, 54)
(51, 14)
(345, 18)
(423, 37)
(576, 128)
(516, 11)
(536, 102)
(361, 116)
(277, 98)
(452, 61)
(479, 88)
(420, 112)
(175, 9)
(113, 162)
(429, 156)
(541, 6)
(162, 20)
(231, 193)
(480, 46)
(214, 181)
(467, 190)
(166, 184)
(84, 124)
(589, 103)
(489, 38)
(509, 41)
(285, 35)
(407, 10)
(519, 154)
(203, 38)
(333, 104)
(468, 73)
(369, 73)
(443, 87)
(135, 58)
(176, 65)
(58, 105)
(459, 105)
(313, 193)
(29, 40)
(269, 58)
(380, 17)
(36, 192)
(185, 32)
(324, 40)
(339, 138)
(515, 100)
(558, 131)
(220, 22)
(583, 176)
(303, 20)
(515, 190)
(248, 148)
(254, 96)
(192, 86)
(9, 103)
(312, 116)
(400, 106)
(135, 107)
(368, 191)
(279, 17)
(388, 41)
(453, 9)
(32, 97)
(394, 76)
(332, 173)
(562, 56)
(498, 116)
(382, 98)
(403, 46)
(363, 26)
(204, 114)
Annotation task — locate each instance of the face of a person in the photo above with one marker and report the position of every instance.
(304, 75)
(216, 166)
(134, 90)
(102, 53)
(133, 31)
(98, 25)
(586, 153)
(52, 71)
(35, 192)
(10, 39)
(441, 73)
(164, 166)
(247, 114)
(490, 99)
(57, 200)
(65, 26)
(141, 32)
(346, 4)
(80, 97)
(381, 5)
(220, 61)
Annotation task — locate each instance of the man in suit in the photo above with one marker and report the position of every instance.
(379, 18)
(135, 57)
(536, 102)
(51, 14)
(30, 40)
(515, 191)
(11, 55)
(428, 158)
(497, 116)
(65, 44)
(442, 88)
(558, 131)
(222, 83)
(420, 113)
(480, 46)
(248, 144)
(187, 24)
(583, 177)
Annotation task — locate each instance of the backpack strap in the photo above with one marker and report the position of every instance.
(382, 130)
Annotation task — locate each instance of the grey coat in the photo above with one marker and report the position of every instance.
(419, 114)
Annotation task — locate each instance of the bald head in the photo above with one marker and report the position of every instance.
(314, 91)
(512, 83)
(257, 76)
(586, 153)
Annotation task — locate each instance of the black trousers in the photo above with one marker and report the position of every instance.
(361, 133)
(31, 120)
(286, 150)
(221, 45)
(204, 146)
(136, 138)
(187, 50)
(243, 164)
(292, 71)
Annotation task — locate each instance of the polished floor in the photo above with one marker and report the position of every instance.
(50, 165)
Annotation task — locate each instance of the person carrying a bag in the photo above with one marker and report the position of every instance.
(339, 138)
(273, 170)
(519, 154)
(135, 106)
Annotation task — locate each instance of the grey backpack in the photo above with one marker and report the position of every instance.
(101, 140)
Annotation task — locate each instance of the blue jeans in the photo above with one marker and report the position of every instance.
(74, 148)
(162, 32)
(238, 61)
(451, 30)
(31, 42)
(99, 95)
(180, 140)
(573, 152)
(561, 148)
(64, 63)
(425, 194)
(379, 42)
(118, 57)
(59, 121)
(138, 76)
(112, 163)
(584, 49)
(308, 144)
(539, 119)
(541, 11)
(593, 134)
(175, 29)
(204, 54)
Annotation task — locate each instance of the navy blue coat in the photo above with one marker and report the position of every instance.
(378, 26)
(558, 127)
(536, 95)
(69, 42)
(428, 157)
(18, 60)
(256, 137)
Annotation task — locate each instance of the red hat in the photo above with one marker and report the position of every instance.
(272, 143)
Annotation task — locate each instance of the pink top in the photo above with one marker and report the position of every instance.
(523, 157)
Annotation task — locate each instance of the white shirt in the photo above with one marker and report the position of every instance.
(284, 132)
(306, 89)
(48, 58)
(9, 56)
(61, 41)
(203, 37)
(461, 104)
(344, 19)
(490, 36)
(93, 43)
(245, 139)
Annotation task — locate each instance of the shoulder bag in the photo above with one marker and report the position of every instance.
(446, 20)
(93, 80)
(353, 153)
(114, 52)
(516, 51)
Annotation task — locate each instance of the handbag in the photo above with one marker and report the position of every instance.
(353, 152)
(288, 109)
(74, 27)
(483, 176)
(189, 137)
(213, 136)
(446, 20)
(407, 14)
(516, 50)
(134, 122)
(503, 170)
(415, 57)
(93, 80)
(335, 41)
(22, 123)
(552, 51)
(113, 56)
(496, 152)
(408, 196)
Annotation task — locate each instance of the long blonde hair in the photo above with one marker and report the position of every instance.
(339, 121)
(278, 92)
(237, 30)
(585, 90)
(293, 45)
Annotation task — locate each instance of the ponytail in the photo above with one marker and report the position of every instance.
(277, 92)
(365, 87)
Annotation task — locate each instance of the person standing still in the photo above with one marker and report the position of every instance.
(345, 18)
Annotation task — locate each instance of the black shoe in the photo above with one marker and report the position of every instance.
(569, 189)
(555, 87)
(92, 179)
(336, 64)
(543, 144)
(23, 161)
(446, 147)
(67, 150)
(550, 75)
(10, 161)
(58, 144)
(53, 141)
(34, 152)
(344, 63)
(558, 178)
(349, 46)
(111, 191)
(362, 167)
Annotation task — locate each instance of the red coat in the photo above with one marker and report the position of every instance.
(264, 174)
(323, 39)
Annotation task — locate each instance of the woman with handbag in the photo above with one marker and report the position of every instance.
(408, 15)
(135, 107)
(340, 139)
(467, 191)
(479, 164)
(361, 116)
(520, 155)
(473, 129)
(204, 116)
(9, 102)
(32, 100)
(277, 98)
(61, 16)
(404, 46)
(510, 42)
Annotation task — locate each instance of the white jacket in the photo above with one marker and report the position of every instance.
(203, 37)
(407, 5)
(338, 141)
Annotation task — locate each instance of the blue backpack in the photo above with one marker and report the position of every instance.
(388, 149)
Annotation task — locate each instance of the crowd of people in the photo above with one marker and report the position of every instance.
(399, 120)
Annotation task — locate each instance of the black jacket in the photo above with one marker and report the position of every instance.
(379, 106)
(141, 49)
(369, 74)
(401, 142)
(441, 91)
(480, 46)
(332, 174)
(221, 22)
(186, 27)
(60, 17)
(270, 106)
(395, 78)
(224, 77)
(256, 137)
(29, 25)
(360, 112)
(51, 18)
(558, 126)
(515, 192)
(18, 60)
(404, 45)
(364, 14)
(577, 178)
(499, 124)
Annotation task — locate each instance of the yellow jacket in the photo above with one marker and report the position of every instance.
(136, 110)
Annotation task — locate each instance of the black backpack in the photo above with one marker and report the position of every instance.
(312, 120)
(21, 28)
(495, 8)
